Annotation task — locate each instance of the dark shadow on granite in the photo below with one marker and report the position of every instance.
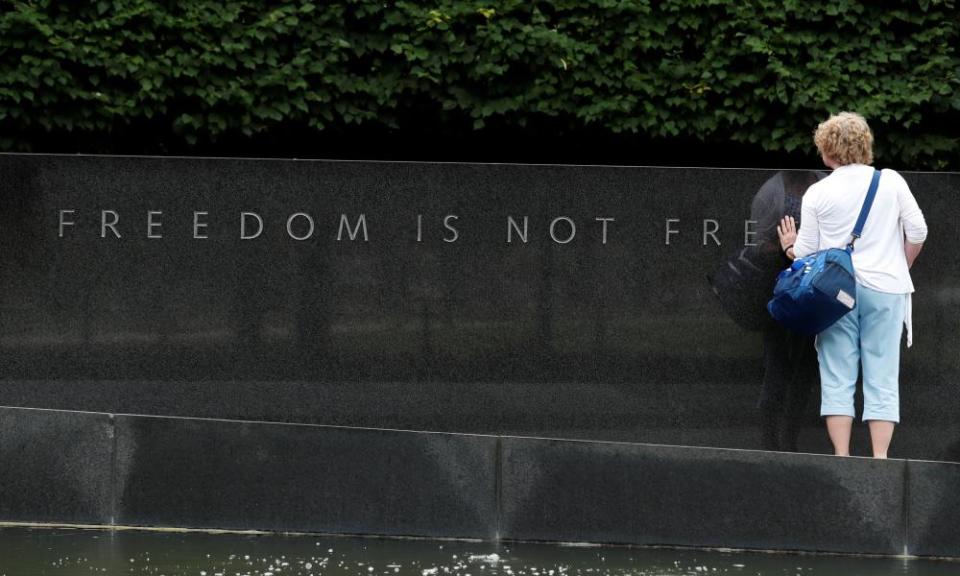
(933, 521)
(662, 495)
(55, 466)
(218, 474)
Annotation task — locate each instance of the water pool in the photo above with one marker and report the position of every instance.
(69, 551)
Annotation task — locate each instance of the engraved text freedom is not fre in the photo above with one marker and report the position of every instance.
(301, 226)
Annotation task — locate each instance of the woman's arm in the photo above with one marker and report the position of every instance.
(911, 251)
(806, 240)
(808, 236)
(914, 224)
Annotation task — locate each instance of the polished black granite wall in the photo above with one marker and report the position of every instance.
(622, 340)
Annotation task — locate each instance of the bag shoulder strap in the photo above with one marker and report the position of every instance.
(865, 210)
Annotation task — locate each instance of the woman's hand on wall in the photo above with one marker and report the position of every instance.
(787, 231)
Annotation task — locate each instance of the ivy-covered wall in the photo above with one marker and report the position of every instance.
(758, 74)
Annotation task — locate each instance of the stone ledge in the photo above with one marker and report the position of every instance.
(56, 466)
(90, 468)
(933, 508)
(665, 495)
(203, 473)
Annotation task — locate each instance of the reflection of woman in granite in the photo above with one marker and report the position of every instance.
(789, 360)
(892, 238)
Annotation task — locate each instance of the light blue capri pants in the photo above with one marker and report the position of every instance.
(870, 334)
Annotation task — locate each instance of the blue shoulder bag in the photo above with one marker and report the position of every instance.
(817, 290)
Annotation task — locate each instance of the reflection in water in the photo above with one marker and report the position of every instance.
(38, 552)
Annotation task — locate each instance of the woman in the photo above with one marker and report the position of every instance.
(892, 238)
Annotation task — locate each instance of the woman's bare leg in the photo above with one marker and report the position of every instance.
(838, 427)
(881, 432)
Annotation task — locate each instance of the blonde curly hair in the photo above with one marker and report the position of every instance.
(845, 138)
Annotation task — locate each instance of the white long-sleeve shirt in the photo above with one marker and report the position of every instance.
(829, 212)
